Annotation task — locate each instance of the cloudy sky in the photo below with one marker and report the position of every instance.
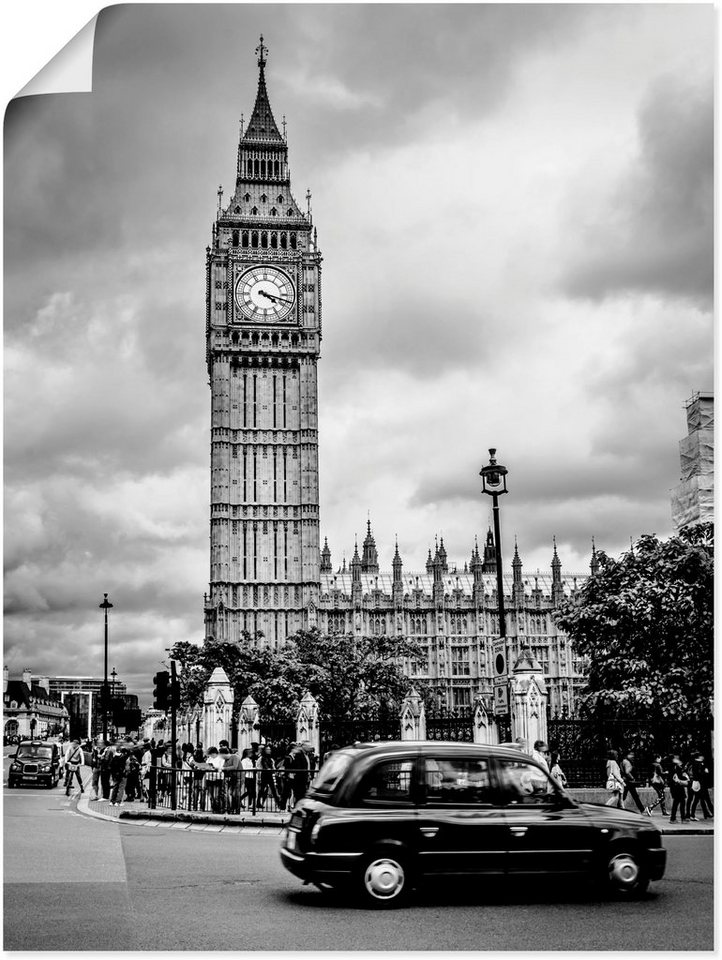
(514, 204)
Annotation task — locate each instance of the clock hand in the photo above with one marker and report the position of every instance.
(271, 296)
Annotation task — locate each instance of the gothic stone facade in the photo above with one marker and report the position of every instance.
(267, 573)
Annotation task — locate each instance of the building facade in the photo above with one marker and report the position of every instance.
(263, 335)
(693, 497)
(81, 697)
(267, 572)
(31, 708)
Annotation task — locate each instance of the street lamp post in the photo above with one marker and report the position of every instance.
(111, 703)
(105, 606)
(493, 479)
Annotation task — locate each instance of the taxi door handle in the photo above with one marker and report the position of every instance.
(519, 831)
(429, 831)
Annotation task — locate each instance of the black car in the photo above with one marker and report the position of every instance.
(35, 762)
(380, 817)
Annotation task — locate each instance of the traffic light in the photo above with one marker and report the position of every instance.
(161, 690)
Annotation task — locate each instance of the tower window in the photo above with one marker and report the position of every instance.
(247, 197)
(254, 238)
(293, 241)
(274, 240)
(274, 212)
(283, 241)
(264, 239)
(244, 238)
(275, 168)
(290, 211)
(236, 209)
(280, 198)
(235, 238)
(254, 210)
(264, 198)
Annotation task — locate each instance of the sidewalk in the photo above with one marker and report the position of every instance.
(138, 813)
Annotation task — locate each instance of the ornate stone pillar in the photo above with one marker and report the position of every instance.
(217, 709)
(484, 729)
(528, 700)
(307, 730)
(413, 717)
(249, 726)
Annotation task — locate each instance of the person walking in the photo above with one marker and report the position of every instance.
(615, 781)
(232, 773)
(118, 773)
(214, 779)
(630, 781)
(678, 784)
(699, 789)
(249, 779)
(73, 763)
(267, 772)
(658, 782)
(96, 757)
(556, 771)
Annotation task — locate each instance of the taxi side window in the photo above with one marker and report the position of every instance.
(456, 780)
(388, 782)
(525, 783)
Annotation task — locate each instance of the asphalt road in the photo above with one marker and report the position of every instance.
(77, 883)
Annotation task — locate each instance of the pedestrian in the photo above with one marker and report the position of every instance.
(249, 779)
(199, 766)
(615, 781)
(214, 779)
(630, 782)
(657, 780)
(132, 782)
(556, 771)
(96, 756)
(267, 771)
(678, 784)
(146, 762)
(540, 753)
(118, 775)
(297, 764)
(699, 789)
(73, 763)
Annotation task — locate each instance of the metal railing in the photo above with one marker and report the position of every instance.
(204, 790)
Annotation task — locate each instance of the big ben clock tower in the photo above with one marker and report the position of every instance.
(263, 333)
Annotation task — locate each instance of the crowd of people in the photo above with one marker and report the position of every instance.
(688, 785)
(220, 780)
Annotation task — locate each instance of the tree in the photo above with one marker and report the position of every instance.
(644, 621)
(349, 676)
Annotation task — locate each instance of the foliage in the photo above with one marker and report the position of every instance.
(645, 623)
(348, 676)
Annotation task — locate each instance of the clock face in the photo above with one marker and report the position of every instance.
(265, 294)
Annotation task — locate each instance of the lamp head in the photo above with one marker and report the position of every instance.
(493, 476)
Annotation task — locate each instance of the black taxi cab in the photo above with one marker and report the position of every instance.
(378, 818)
(35, 762)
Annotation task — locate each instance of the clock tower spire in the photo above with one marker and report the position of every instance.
(263, 334)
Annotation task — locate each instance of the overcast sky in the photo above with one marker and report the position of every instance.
(514, 204)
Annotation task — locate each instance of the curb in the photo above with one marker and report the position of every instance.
(187, 820)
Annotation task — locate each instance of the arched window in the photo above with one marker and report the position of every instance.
(254, 210)
(283, 241)
(275, 168)
(264, 239)
(255, 167)
(247, 197)
(293, 241)
(290, 211)
(274, 239)
(244, 238)
(274, 212)
(236, 209)
(263, 198)
(280, 198)
(263, 168)
(254, 238)
(235, 238)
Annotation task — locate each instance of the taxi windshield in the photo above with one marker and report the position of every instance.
(36, 750)
(331, 772)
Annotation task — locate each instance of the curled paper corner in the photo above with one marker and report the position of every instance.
(70, 70)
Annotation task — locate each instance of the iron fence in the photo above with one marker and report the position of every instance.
(455, 724)
(341, 733)
(202, 790)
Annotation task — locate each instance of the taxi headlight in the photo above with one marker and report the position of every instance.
(16, 766)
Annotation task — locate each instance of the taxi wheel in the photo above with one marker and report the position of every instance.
(383, 878)
(626, 877)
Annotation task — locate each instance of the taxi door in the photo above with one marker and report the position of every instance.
(462, 829)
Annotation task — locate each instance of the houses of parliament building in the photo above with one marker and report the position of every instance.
(268, 573)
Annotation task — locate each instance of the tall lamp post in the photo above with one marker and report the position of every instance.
(493, 480)
(105, 606)
(111, 702)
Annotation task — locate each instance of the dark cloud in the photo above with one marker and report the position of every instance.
(656, 235)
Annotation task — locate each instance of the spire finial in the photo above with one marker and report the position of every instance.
(308, 205)
(220, 197)
(284, 126)
(242, 122)
(261, 52)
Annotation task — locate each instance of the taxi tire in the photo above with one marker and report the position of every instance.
(383, 878)
(626, 877)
